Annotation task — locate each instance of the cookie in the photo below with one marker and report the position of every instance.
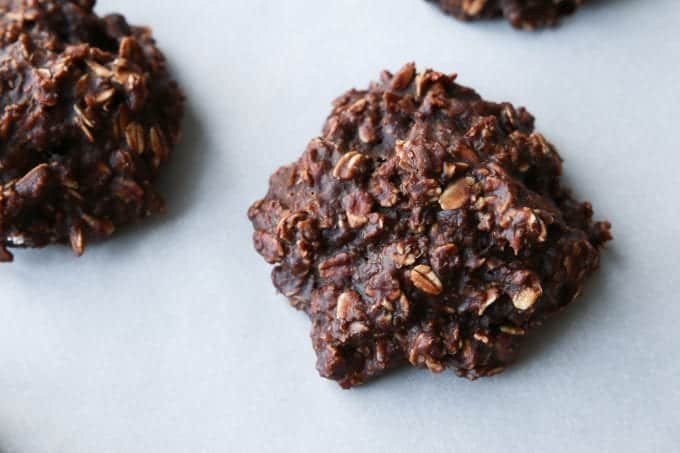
(525, 14)
(426, 226)
(88, 115)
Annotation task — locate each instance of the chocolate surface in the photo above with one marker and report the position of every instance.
(425, 226)
(88, 114)
(526, 14)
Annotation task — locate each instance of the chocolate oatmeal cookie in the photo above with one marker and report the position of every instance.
(526, 14)
(426, 226)
(88, 114)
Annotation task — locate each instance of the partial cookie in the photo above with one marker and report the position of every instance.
(426, 226)
(88, 115)
(526, 14)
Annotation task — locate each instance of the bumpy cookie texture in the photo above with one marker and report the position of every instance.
(526, 14)
(88, 114)
(426, 226)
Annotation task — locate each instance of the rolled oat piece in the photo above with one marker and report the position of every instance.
(424, 227)
(524, 14)
(88, 115)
